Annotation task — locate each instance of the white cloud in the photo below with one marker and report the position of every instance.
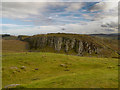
(11, 25)
(34, 12)
(105, 6)
(32, 30)
(79, 28)
(74, 6)
(22, 9)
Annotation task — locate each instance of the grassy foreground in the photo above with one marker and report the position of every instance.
(50, 70)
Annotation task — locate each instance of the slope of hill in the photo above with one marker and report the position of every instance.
(50, 70)
(53, 70)
(14, 46)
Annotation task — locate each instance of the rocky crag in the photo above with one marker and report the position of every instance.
(73, 44)
(66, 44)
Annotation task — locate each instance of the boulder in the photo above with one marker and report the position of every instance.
(13, 67)
(23, 67)
(110, 67)
(11, 85)
(62, 65)
(36, 69)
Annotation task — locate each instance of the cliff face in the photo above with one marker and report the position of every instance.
(62, 43)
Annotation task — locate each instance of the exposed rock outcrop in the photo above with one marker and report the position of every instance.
(62, 43)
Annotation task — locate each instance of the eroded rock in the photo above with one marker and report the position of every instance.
(62, 43)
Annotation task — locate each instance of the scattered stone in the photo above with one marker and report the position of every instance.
(11, 85)
(62, 65)
(110, 67)
(18, 70)
(13, 67)
(36, 68)
(118, 64)
(14, 72)
(35, 79)
(23, 67)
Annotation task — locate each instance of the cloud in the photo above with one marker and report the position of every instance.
(104, 10)
(39, 13)
(32, 30)
(53, 17)
(107, 14)
(93, 27)
(104, 6)
(74, 6)
(12, 25)
(22, 10)
(110, 24)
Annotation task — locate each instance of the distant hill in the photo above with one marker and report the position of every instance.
(111, 36)
(8, 37)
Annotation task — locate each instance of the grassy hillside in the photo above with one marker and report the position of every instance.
(50, 70)
(108, 47)
(14, 46)
(108, 42)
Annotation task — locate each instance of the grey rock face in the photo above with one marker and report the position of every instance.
(64, 43)
(72, 44)
(80, 48)
(50, 41)
(67, 42)
(57, 43)
(41, 42)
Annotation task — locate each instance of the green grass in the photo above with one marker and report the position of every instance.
(84, 72)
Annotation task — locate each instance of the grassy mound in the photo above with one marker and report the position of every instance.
(50, 70)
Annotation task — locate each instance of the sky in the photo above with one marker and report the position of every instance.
(30, 18)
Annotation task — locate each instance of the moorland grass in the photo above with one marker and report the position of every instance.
(44, 70)
(14, 46)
